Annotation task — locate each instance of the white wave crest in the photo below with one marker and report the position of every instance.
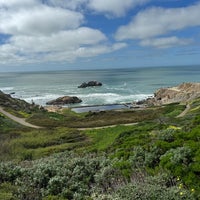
(4, 89)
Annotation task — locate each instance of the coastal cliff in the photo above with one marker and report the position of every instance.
(182, 93)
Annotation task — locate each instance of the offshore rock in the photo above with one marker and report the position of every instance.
(182, 93)
(64, 100)
(90, 84)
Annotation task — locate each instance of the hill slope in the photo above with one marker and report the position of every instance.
(158, 158)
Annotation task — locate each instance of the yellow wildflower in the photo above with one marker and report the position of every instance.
(192, 190)
(174, 127)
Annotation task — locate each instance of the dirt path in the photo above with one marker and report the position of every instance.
(24, 123)
(185, 111)
(110, 126)
(17, 119)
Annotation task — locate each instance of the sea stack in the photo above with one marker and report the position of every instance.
(90, 84)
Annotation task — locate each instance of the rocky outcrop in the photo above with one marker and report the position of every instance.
(7, 101)
(64, 100)
(181, 93)
(90, 84)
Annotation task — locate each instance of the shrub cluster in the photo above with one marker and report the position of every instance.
(91, 176)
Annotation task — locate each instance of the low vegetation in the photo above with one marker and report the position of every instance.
(158, 158)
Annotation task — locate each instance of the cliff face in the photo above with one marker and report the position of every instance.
(181, 93)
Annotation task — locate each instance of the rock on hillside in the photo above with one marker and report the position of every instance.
(64, 100)
(182, 93)
(7, 101)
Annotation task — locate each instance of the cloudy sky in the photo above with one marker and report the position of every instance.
(89, 34)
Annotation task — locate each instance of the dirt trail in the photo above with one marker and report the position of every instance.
(185, 111)
(18, 120)
(23, 122)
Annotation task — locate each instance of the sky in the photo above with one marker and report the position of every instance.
(98, 34)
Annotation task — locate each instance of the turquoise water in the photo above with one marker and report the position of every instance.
(119, 85)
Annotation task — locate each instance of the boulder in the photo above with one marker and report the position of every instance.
(64, 100)
(90, 84)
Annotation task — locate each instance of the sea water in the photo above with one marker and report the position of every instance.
(119, 85)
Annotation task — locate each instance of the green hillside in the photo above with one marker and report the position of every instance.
(157, 158)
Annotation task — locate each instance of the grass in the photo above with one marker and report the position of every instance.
(104, 138)
(68, 118)
(19, 142)
(32, 144)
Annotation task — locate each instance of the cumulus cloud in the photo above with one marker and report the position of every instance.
(158, 21)
(38, 20)
(59, 41)
(165, 42)
(46, 31)
(62, 46)
(116, 8)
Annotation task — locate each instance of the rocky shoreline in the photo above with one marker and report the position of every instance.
(182, 93)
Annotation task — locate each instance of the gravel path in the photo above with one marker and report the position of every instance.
(17, 119)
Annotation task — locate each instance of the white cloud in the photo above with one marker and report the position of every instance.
(165, 42)
(50, 31)
(61, 41)
(17, 3)
(116, 8)
(38, 20)
(158, 21)
(62, 46)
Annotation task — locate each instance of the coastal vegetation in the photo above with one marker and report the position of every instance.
(156, 158)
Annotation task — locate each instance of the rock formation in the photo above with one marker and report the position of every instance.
(182, 93)
(90, 84)
(7, 101)
(64, 100)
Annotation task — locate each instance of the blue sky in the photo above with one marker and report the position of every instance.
(90, 34)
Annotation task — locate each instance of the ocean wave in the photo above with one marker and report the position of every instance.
(88, 99)
(7, 89)
(41, 99)
(110, 98)
(101, 95)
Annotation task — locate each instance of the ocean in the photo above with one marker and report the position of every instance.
(119, 85)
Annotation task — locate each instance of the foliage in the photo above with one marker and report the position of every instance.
(159, 158)
(154, 188)
(102, 139)
(32, 144)
(87, 176)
